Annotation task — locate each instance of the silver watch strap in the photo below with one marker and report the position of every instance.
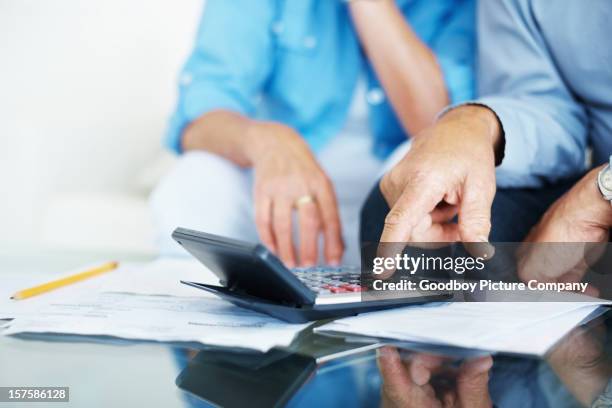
(605, 398)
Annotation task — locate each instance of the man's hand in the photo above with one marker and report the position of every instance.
(288, 177)
(581, 362)
(412, 383)
(580, 218)
(449, 170)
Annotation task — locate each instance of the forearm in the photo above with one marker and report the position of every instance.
(222, 132)
(406, 67)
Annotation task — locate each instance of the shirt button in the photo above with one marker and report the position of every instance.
(278, 27)
(375, 96)
(310, 42)
(186, 78)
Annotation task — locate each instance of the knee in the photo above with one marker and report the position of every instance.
(199, 178)
(203, 192)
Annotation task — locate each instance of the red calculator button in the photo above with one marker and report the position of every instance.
(337, 290)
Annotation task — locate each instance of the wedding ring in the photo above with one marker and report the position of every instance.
(305, 199)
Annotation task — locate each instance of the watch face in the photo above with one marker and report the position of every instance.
(606, 179)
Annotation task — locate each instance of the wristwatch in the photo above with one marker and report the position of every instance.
(605, 399)
(604, 181)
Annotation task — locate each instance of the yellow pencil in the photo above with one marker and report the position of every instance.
(69, 280)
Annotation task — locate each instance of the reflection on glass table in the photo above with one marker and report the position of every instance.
(314, 371)
(574, 374)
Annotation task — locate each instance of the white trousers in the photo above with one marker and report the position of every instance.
(208, 193)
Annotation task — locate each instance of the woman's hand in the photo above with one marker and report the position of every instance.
(288, 177)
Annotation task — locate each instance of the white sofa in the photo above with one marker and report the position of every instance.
(86, 88)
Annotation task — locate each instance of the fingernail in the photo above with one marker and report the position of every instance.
(420, 376)
(482, 364)
(487, 247)
(384, 352)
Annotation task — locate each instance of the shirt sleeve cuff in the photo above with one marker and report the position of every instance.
(515, 156)
(519, 152)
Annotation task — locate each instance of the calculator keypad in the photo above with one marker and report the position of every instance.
(330, 279)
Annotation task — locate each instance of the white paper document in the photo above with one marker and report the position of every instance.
(160, 277)
(10, 284)
(516, 327)
(146, 302)
(160, 318)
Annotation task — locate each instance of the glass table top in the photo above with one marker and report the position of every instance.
(314, 371)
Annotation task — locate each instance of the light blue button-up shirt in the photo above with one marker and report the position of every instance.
(298, 62)
(545, 68)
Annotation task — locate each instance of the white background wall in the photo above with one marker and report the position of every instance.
(86, 88)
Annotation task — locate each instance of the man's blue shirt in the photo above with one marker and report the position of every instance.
(545, 68)
(298, 61)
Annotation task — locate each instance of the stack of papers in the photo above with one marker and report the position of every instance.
(146, 302)
(512, 327)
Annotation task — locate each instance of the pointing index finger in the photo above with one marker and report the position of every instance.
(416, 201)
